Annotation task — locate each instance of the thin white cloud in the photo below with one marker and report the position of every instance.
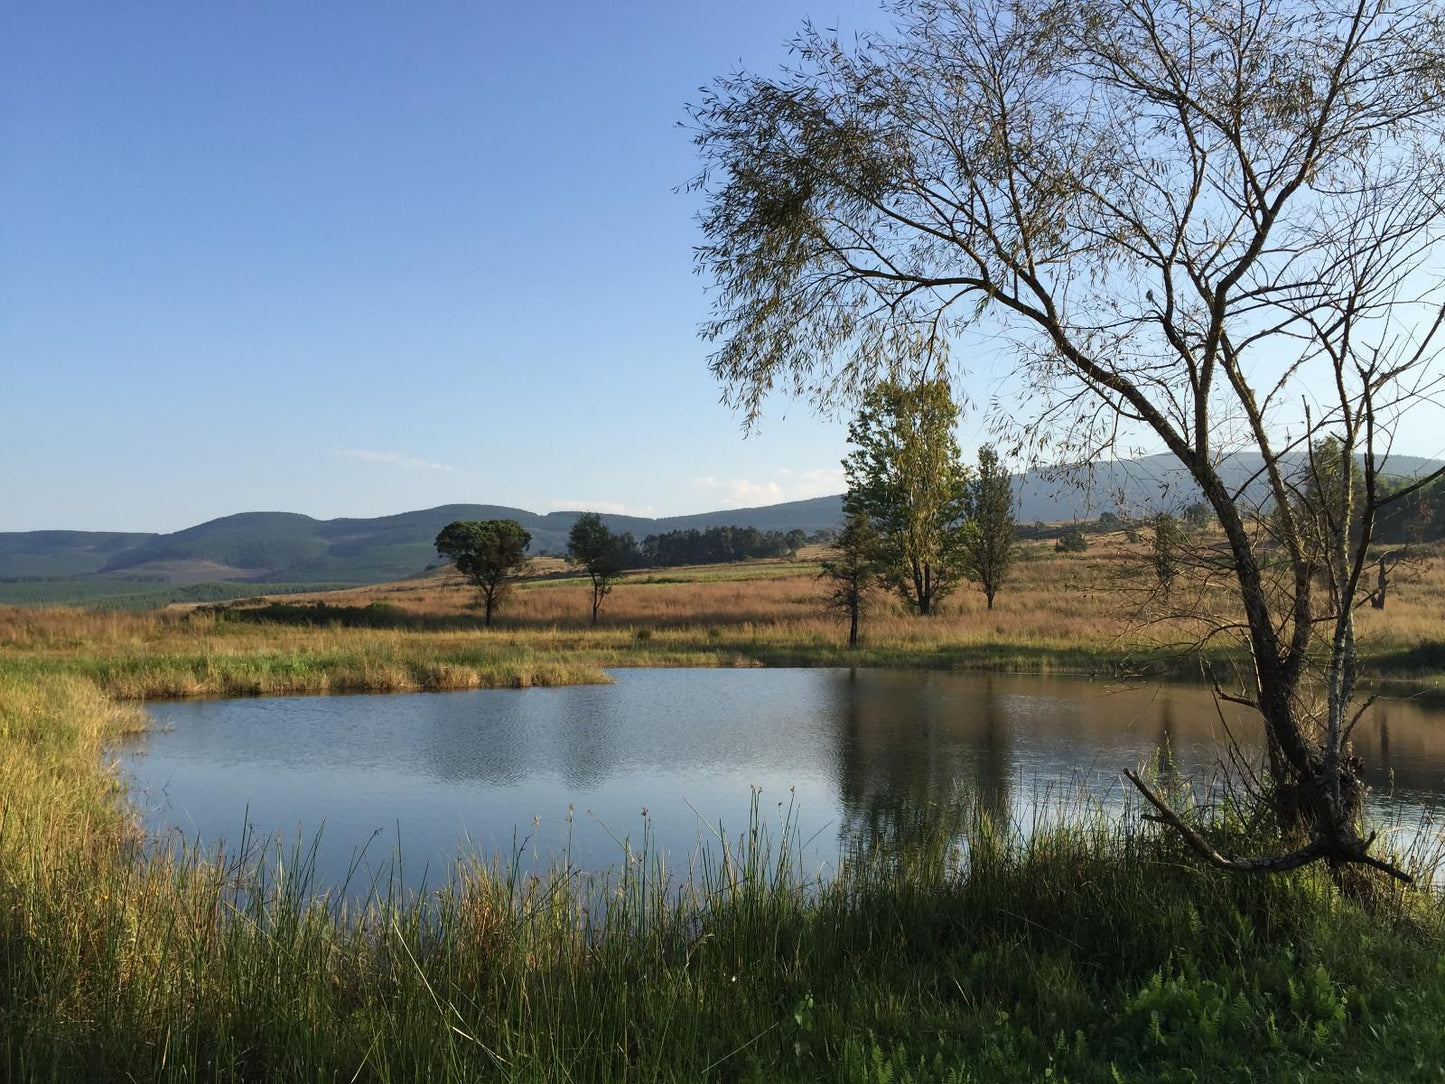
(785, 484)
(611, 508)
(395, 459)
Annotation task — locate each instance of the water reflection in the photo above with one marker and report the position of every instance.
(913, 758)
(866, 753)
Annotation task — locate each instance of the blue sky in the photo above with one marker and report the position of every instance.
(363, 258)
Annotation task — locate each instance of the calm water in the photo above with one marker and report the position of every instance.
(501, 771)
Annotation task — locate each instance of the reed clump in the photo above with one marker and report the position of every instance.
(963, 949)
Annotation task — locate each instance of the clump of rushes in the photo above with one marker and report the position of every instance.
(961, 949)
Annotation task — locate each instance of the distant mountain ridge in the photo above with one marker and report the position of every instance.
(276, 547)
(287, 547)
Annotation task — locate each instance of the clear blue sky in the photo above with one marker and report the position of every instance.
(359, 258)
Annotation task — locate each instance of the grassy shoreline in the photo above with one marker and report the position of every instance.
(1093, 951)
(1059, 615)
(180, 658)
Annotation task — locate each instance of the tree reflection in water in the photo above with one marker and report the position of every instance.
(915, 772)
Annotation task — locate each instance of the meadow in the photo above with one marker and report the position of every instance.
(1092, 949)
(134, 594)
(1059, 613)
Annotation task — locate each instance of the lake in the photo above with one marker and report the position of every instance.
(537, 774)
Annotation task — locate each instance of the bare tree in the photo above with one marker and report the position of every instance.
(1208, 227)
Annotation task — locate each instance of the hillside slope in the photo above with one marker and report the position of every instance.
(286, 547)
(273, 547)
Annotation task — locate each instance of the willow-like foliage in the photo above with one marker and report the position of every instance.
(1213, 228)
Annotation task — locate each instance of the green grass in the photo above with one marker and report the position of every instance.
(1092, 950)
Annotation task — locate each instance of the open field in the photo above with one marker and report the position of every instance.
(103, 593)
(1058, 614)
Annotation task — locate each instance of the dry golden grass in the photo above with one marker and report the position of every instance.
(1049, 596)
(1058, 612)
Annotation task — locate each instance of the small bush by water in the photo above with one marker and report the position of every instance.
(1090, 950)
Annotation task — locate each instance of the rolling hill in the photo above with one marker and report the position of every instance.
(266, 548)
(275, 548)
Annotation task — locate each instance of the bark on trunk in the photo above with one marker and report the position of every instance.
(1315, 795)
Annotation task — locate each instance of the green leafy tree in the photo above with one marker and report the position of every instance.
(1327, 509)
(1330, 493)
(1072, 540)
(1168, 549)
(852, 571)
(489, 553)
(907, 477)
(989, 537)
(1197, 516)
(602, 553)
(1214, 229)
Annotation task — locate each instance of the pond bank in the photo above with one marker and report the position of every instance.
(1095, 952)
(206, 659)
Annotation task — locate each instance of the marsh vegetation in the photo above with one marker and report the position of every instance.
(1094, 949)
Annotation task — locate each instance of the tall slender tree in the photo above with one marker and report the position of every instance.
(988, 536)
(852, 571)
(1168, 547)
(906, 476)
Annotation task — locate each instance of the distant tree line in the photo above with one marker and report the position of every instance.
(1420, 517)
(715, 545)
(712, 546)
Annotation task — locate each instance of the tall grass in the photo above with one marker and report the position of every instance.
(1087, 949)
(1058, 614)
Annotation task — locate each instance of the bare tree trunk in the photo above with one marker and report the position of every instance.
(1317, 792)
(922, 589)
